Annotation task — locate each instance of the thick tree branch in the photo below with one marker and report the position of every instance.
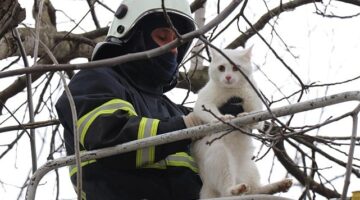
(73, 46)
(197, 78)
(98, 33)
(196, 5)
(11, 14)
(48, 15)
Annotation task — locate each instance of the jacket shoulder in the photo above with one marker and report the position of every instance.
(95, 81)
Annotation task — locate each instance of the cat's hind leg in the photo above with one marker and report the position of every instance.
(207, 192)
(239, 189)
(272, 188)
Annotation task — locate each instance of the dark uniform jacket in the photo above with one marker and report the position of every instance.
(112, 110)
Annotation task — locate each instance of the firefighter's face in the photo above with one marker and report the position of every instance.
(163, 36)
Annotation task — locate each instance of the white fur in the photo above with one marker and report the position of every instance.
(225, 166)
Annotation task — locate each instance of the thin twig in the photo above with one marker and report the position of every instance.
(74, 126)
(351, 153)
(34, 125)
(93, 13)
(168, 20)
(29, 98)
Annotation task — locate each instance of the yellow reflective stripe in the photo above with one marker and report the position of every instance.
(147, 128)
(109, 107)
(73, 169)
(158, 165)
(83, 195)
(181, 159)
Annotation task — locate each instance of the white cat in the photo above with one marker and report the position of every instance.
(226, 166)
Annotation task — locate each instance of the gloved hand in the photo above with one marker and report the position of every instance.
(232, 107)
(191, 120)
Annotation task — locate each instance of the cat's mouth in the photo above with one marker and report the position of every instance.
(228, 82)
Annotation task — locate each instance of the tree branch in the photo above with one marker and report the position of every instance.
(290, 166)
(198, 131)
(260, 24)
(93, 14)
(68, 48)
(11, 14)
(129, 57)
(196, 5)
(34, 125)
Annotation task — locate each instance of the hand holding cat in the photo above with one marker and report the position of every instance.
(191, 120)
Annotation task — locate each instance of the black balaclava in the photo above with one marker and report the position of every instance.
(165, 64)
(155, 74)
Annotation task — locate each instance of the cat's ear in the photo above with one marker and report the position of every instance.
(247, 53)
(213, 53)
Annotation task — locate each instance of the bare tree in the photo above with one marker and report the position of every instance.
(301, 149)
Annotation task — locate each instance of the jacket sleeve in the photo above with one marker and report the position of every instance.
(106, 119)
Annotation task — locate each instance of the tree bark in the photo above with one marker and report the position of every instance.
(196, 5)
(64, 46)
(11, 14)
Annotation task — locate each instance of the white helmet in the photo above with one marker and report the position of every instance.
(133, 12)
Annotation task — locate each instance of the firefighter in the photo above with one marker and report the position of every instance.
(126, 102)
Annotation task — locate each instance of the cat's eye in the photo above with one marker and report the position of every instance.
(235, 68)
(221, 68)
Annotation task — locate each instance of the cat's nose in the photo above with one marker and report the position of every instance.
(228, 77)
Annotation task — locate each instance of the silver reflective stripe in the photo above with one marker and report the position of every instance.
(147, 128)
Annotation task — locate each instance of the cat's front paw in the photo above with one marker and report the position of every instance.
(227, 117)
(242, 114)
